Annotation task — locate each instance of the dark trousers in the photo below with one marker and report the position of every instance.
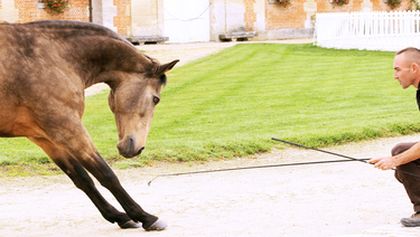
(411, 183)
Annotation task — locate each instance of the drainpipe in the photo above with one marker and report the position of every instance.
(90, 11)
(158, 31)
(225, 17)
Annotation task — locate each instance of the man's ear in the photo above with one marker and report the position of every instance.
(415, 67)
(166, 67)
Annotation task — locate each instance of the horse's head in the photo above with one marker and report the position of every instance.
(133, 101)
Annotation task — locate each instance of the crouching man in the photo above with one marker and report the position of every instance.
(406, 156)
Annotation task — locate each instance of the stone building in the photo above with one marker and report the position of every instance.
(114, 14)
(194, 20)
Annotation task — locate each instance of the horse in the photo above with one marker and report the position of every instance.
(45, 67)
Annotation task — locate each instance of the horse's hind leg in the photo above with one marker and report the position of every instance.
(82, 180)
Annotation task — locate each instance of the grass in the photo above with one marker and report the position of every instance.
(231, 104)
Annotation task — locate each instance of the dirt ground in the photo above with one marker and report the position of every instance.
(340, 199)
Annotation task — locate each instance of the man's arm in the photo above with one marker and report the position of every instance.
(385, 163)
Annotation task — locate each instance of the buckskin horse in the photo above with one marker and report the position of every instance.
(45, 67)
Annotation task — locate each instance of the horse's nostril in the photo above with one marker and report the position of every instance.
(127, 148)
(139, 152)
(131, 142)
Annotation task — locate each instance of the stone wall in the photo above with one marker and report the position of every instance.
(379, 5)
(296, 19)
(289, 16)
(147, 17)
(78, 10)
(122, 21)
(29, 10)
(269, 19)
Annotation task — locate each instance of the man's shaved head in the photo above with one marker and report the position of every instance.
(411, 55)
(407, 67)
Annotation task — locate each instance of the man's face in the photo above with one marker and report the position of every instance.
(403, 71)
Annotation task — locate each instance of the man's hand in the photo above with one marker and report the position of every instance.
(383, 163)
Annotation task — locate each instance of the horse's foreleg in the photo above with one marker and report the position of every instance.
(78, 154)
(82, 180)
(104, 174)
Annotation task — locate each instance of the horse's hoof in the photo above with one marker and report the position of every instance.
(129, 225)
(157, 226)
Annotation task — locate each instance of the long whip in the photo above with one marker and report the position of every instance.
(340, 155)
(324, 151)
(249, 167)
(348, 158)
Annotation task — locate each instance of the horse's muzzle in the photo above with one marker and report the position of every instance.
(127, 148)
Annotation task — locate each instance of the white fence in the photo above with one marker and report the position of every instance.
(387, 31)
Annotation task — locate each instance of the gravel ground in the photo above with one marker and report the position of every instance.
(341, 199)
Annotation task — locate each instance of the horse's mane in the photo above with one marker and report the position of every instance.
(77, 28)
(73, 31)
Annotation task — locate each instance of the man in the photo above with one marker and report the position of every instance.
(405, 156)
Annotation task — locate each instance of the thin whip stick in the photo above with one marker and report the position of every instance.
(348, 159)
(248, 168)
(316, 149)
(340, 155)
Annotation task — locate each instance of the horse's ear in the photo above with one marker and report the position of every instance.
(166, 67)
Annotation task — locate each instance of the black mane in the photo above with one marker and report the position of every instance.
(76, 28)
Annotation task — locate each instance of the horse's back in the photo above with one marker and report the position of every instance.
(19, 58)
(37, 52)
(12, 46)
(34, 70)
(18, 49)
(9, 71)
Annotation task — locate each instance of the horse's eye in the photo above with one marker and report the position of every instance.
(156, 100)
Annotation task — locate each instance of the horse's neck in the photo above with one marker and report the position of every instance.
(109, 61)
(95, 52)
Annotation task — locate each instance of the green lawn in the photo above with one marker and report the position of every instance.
(232, 103)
